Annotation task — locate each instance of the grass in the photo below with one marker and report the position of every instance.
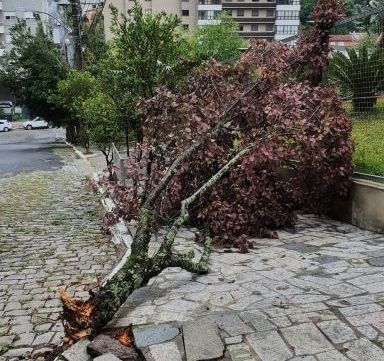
(368, 134)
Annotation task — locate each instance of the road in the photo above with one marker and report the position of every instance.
(23, 151)
(50, 238)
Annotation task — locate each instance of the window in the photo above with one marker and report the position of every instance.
(287, 29)
(255, 12)
(254, 27)
(208, 14)
(241, 27)
(28, 15)
(240, 12)
(185, 12)
(9, 15)
(270, 13)
(185, 26)
(269, 27)
(288, 15)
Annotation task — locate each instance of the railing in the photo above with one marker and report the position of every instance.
(288, 2)
(209, 2)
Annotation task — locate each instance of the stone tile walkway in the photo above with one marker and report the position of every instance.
(49, 237)
(316, 293)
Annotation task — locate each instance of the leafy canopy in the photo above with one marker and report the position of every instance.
(32, 69)
(219, 41)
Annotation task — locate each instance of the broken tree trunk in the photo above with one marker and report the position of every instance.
(82, 319)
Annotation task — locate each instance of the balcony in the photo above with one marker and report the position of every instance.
(258, 20)
(268, 35)
(209, 2)
(288, 2)
(268, 5)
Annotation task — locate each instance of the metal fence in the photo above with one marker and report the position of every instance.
(119, 165)
(356, 67)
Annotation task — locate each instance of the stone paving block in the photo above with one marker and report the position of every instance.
(107, 357)
(151, 335)
(364, 350)
(331, 356)
(43, 339)
(306, 339)
(78, 352)
(366, 319)
(202, 341)
(232, 324)
(25, 339)
(240, 352)
(165, 352)
(269, 346)
(368, 331)
(303, 358)
(337, 331)
(361, 309)
(258, 321)
(233, 340)
(19, 352)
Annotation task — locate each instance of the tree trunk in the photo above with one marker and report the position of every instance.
(82, 319)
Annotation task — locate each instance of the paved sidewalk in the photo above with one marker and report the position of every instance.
(315, 294)
(49, 237)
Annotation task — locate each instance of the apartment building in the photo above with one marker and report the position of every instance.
(287, 19)
(185, 9)
(263, 19)
(11, 10)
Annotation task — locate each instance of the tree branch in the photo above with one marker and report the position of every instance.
(184, 260)
(164, 253)
(187, 153)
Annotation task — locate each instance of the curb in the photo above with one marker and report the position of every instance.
(121, 235)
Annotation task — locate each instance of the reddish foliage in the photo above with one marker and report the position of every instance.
(304, 148)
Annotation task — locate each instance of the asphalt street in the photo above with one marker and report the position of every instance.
(23, 151)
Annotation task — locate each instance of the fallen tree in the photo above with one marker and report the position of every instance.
(214, 155)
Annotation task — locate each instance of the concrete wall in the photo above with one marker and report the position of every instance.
(365, 205)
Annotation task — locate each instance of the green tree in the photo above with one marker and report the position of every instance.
(93, 40)
(32, 70)
(219, 41)
(103, 127)
(144, 53)
(359, 73)
(70, 95)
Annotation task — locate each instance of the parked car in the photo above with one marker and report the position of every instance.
(36, 123)
(5, 125)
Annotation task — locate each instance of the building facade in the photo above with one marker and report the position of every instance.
(186, 10)
(263, 19)
(11, 10)
(287, 19)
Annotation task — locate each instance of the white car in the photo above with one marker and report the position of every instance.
(5, 126)
(36, 123)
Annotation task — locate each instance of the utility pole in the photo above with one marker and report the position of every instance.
(76, 26)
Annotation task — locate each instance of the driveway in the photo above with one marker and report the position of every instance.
(23, 151)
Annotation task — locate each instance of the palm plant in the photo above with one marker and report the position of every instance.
(360, 74)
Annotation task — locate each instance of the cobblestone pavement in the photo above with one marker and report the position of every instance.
(316, 293)
(49, 237)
